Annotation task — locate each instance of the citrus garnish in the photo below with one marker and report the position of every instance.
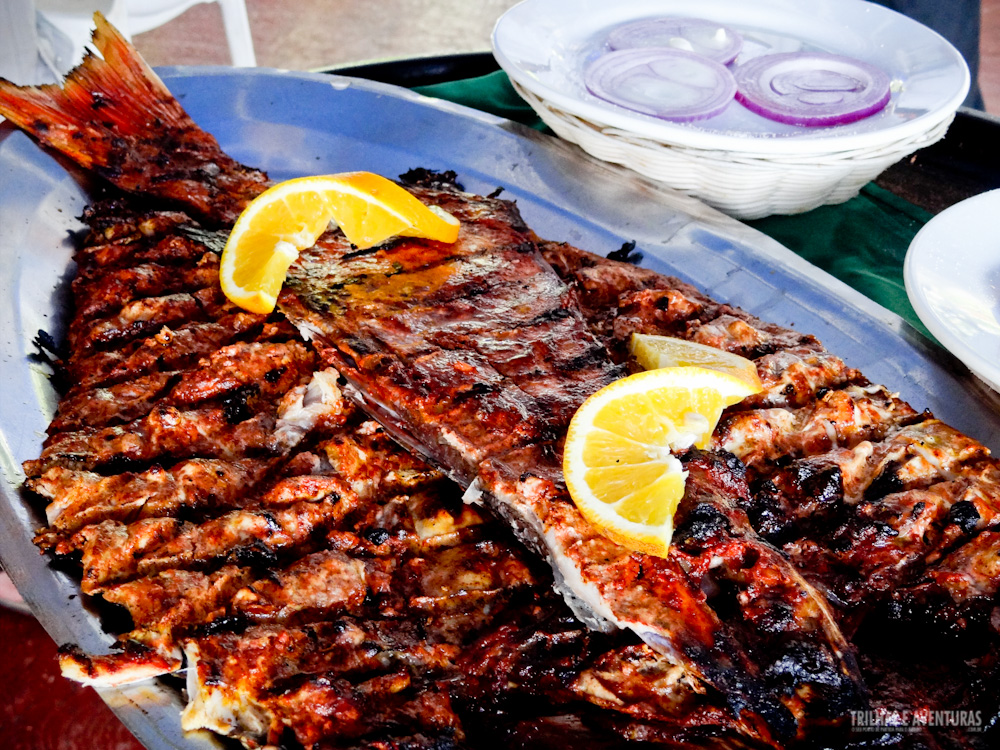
(290, 217)
(654, 352)
(618, 461)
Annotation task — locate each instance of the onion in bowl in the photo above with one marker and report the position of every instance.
(811, 88)
(705, 38)
(666, 83)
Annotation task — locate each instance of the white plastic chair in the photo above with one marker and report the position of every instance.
(130, 17)
(70, 24)
(144, 15)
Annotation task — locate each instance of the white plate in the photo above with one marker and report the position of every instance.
(544, 45)
(952, 275)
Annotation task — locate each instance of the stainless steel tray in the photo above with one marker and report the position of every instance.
(293, 124)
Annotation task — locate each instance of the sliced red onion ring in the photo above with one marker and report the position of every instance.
(666, 83)
(705, 38)
(811, 88)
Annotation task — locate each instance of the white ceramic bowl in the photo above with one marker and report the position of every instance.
(740, 162)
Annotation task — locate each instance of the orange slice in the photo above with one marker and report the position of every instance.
(618, 462)
(654, 352)
(290, 217)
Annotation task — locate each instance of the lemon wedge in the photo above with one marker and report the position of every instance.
(290, 216)
(619, 461)
(654, 352)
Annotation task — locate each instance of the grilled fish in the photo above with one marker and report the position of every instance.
(343, 548)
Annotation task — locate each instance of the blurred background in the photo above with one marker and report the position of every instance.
(309, 34)
(312, 34)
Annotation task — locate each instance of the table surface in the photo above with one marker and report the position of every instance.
(40, 710)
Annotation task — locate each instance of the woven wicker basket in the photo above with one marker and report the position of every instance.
(740, 183)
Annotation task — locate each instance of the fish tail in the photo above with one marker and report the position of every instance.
(114, 116)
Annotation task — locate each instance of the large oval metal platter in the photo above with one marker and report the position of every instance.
(295, 124)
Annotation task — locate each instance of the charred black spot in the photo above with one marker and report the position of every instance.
(594, 356)
(376, 536)
(820, 484)
(663, 303)
(273, 376)
(964, 515)
(553, 313)
(225, 624)
(429, 178)
(48, 351)
(884, 531)
(703, 523)
(524, 248)
(803, 664)
(886, 483)
(118, 464)
(236, 405)
(776, 618)
(480, 389)
(255, 555)
(626, 254)
(358, 346)
(361, 253)
(751, 557)
(745, 692)
(767, 512)
(40, 126)
(733, 465)
(272, 522)
(495, 193)
(476, 289)
(820, 392)
(109, 173)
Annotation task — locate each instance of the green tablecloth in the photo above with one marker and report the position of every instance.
(862, 242)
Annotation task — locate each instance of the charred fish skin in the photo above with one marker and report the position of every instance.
(115, 347)
(189, 555)
(216, 550)
(435, 340)
(887, 509)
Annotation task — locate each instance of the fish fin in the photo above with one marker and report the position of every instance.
(114, 116)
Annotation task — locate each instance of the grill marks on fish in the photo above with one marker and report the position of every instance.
(477, 355)
(889, 509)
(503, 337)
(205, 544)
(81, 498)
(345, 551)
(181, 546)
(852, 444)
(109, 290)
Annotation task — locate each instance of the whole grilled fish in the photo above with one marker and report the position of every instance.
(475, 355)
